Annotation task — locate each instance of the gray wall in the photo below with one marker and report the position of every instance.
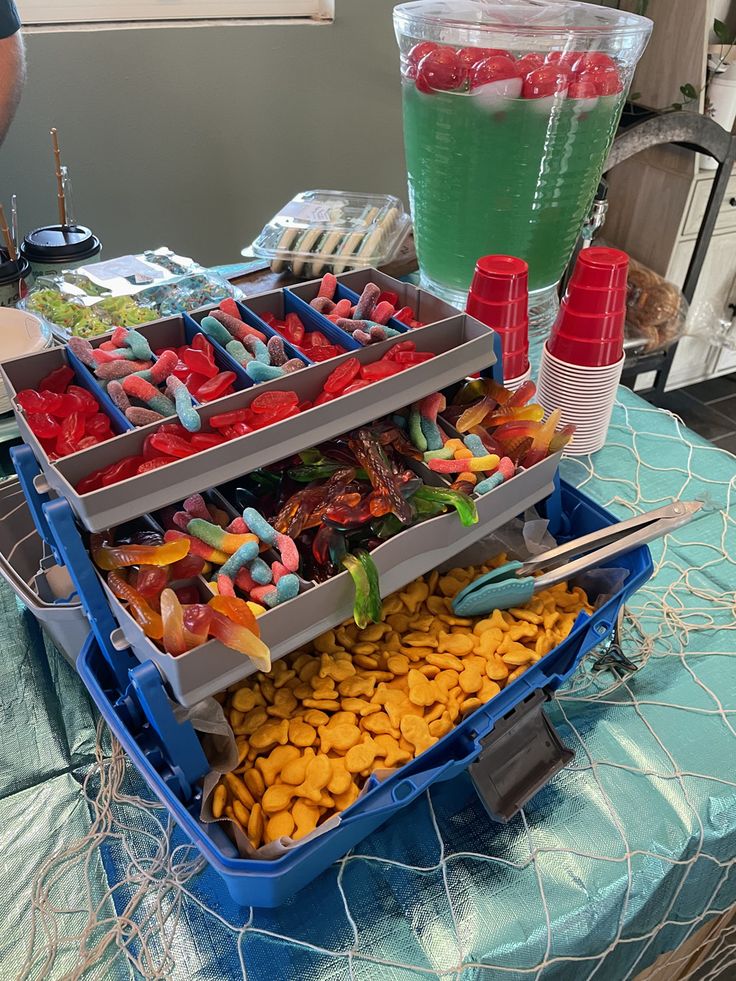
(194, 137)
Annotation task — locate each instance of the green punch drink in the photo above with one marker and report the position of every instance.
(510, 109)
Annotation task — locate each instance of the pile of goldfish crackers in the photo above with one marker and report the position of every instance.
(312, 730)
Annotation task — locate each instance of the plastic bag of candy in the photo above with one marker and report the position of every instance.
(124, 292)
(655, 311)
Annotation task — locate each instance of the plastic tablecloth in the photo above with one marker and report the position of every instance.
(622, 856)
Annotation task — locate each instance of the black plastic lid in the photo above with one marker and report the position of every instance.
(58, 243)
(11, 272)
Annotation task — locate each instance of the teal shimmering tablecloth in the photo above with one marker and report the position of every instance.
(624, 855)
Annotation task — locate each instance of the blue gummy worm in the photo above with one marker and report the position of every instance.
(259, 372)
(242, 556)
(260, 571)
(287, 588)
(159, 403)
(489, 483)
(475, 444)
(214, 329)
(260, 351)
(259, 526)
(271, 598)
(431, 433)
(184, 407)
(139, 346)
(236, 350)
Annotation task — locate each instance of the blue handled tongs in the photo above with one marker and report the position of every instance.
(514, 583)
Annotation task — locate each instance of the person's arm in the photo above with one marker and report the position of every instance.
(12, 65)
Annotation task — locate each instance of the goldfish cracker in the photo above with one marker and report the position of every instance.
(419, 639)
(326, 643)
(241, 814)
(341, 718)
(305, 815)
(392, 605)
(315, 718)
(301, 733)
(252, 720)
(517, 674)
(277, 798)
(357, 686)
(345, 635)
(447, 678)
(398, 664)
(340, 738)
(343, 801)
(246, 699)
(299, 661)
(429, 670)
(422, 691)
(271, 766)
(471, 679)
(302, 691)
(457, 644)
(392, 643)
(295, 771)
(270, 734)
(318, 773)
(416, 732)
(527, 615)
(359, 706)
(399, 683)
(340, 778)
(253, 780)
(445, 661)
(278, 826)
(335, 670)
(450, 587)
(256, 824)
(379, 723)
(489, 642)
(416, 653)
(470, 705)
(360, 757)
(396, 704)
(219, 800)
(365, 661)
(441, 726)
(238, 790)
(243, 747)
(310, 669)
(392, 753)
(517, 654)
(284, 703)
(434, 712)
(399, 622)
(373, 632)
(284, 678)
(489, 689)
(324, 704)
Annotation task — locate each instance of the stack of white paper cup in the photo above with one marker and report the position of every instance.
(584, 354)
(513, 383)
(585, 397)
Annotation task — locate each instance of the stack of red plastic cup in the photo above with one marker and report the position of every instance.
(499, 297)
(583, 357)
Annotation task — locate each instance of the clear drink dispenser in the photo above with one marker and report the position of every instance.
(510, 107)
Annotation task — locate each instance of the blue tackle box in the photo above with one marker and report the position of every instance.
(508, 745)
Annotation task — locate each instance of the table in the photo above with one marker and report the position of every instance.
(626, 854)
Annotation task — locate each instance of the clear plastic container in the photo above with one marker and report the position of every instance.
(510, 107)
(335, 231)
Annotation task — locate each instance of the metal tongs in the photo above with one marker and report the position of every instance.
(514, 583)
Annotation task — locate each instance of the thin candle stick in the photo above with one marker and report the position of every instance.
(6, 234)
(59, 181)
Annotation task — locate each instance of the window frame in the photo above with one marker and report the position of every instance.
(59, 15)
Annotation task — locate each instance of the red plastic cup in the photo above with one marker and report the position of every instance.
(601, 268)
(499, 316)
(500, 278)
(587, 327)
(515, 364)
(590, 300)
(592, 354)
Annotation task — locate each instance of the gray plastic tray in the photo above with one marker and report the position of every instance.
(461, 345)
(25, 566)
(413, 552)
(428, 308)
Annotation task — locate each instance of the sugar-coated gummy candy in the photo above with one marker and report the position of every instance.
(236, 350)
(367, 302)
(214, 329)
(276, 351)
(117, 393)
(257, 371)
(185, 410)
(292, 365)
(328, 286)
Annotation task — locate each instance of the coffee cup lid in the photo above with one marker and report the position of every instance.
(59, 242)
